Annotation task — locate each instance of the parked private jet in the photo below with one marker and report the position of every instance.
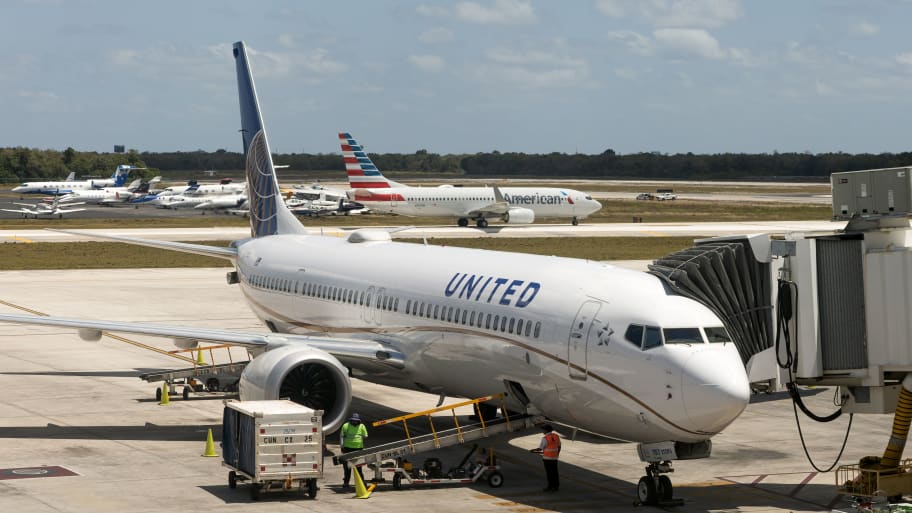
(49, 209)
(111, 195)
(118, 179)
(587, 344)
(512, 205)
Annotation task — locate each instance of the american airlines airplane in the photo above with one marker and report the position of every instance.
(586, 344)
(118, 179)
(512, 205)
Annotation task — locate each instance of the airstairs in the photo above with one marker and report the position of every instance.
(438, 439)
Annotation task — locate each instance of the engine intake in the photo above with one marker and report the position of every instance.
(305, 375)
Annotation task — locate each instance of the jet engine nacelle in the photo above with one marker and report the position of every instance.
(519, 216)
(89, 335)
(305, 375)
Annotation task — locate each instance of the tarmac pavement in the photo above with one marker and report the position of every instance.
(80, 406)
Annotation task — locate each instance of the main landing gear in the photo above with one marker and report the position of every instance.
(462, 222)
(655, 488)
(575, 221)
(481, 222)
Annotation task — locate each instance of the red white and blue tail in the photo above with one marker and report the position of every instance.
(362, 173)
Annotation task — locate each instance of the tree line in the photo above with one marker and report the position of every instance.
(24, 164)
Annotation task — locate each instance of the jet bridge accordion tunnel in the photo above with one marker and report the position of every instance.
(724, 275)
(826, 308)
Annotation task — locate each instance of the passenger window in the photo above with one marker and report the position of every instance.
(464, 312)
(436, 310)
(653, 338)
(396, 305)
(503, 323)
(408, 306)
(528, 327)
(384, 302)
(488, 322)
(519, 326)
(494, 324)
(634, 335)
(682, 336)
(449, 315)
(537, 331)
(512, 324)
(421, 310)
(716, 334)
(472, 318)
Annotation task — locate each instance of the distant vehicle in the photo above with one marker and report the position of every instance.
(645, 196)
(666, 196)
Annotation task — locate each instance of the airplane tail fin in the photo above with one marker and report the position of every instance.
(121, 174)
(268, 213)
(362, 173)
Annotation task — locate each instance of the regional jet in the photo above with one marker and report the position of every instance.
(590, 345)
(512, 205)
(118, 179)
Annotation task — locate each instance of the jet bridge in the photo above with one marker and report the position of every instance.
(826, 308)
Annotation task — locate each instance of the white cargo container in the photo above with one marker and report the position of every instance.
(276, 445)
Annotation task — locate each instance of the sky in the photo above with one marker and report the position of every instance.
(534, 76)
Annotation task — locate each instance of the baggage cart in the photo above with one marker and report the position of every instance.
(273, 445)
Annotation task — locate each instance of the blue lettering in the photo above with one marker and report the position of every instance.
(528, 294)
(511, 289)
(469, 287)
(482, 289)
(451, 289)
(498, 282)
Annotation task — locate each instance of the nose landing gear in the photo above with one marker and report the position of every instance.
(655, 489)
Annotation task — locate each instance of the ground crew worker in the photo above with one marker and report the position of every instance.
(550, 450)
(352, 437)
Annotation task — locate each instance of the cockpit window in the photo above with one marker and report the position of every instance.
(652, 338)
(644, 337)
(717, 334)
(683, 336)
(588, 197)
(634, 334)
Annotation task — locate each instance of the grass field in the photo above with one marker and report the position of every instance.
(115, 255)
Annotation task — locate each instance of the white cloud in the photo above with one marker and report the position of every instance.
(533, 69)
(436, 35)
(905, 59)
(864, 29)
(688, 43)
(40, 101)
(503, 12)
(674, 13)
(431, 63)
(635, 42)
(432, 10)
(165, 62)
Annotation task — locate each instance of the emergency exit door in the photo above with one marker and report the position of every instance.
(578, 341)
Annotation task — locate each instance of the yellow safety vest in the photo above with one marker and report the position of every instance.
(353, 436)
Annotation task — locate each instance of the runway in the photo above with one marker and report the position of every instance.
(78, 406)
(528, 231)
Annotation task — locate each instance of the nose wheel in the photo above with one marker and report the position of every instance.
(655, 489)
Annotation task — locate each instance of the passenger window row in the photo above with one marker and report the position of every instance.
(427, 310)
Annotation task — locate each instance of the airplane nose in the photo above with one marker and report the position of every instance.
(714, 388)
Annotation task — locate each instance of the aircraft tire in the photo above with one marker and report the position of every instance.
(575, 222)
(462, 222)
(646, 491)
(232, 480)
(665, 490)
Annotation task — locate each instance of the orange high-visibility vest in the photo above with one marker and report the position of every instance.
(552, 446)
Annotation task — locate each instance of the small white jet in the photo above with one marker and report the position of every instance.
(601, 348)
(111, 195)
(512, 205)
(44, 209)
(118, 179)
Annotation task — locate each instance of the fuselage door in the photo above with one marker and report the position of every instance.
(578, 341)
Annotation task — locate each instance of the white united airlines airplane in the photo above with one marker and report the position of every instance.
(512, 205)
(586, 344)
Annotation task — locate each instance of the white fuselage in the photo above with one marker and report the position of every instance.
(469, 320)
(62, 187)
(467, 201)
(100, 196)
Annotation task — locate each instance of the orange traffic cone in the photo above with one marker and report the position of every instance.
(199, 357)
